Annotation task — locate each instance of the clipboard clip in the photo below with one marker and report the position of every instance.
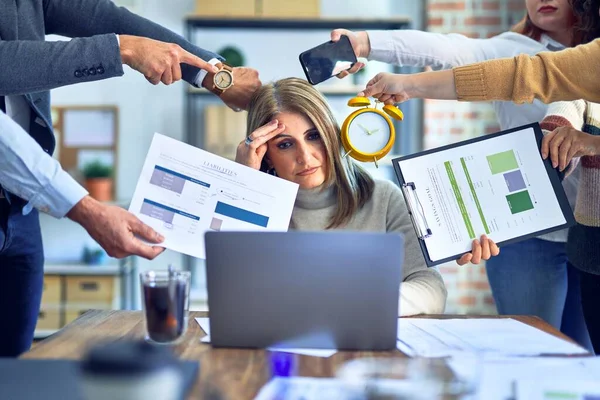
(415, 210)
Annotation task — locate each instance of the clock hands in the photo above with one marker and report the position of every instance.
(368, 132)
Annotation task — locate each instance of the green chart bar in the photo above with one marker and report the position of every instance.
(519, 202)
(459, 199)
(502, 162)
(464, 165)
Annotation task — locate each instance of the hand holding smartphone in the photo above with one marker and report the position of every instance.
(328, 59)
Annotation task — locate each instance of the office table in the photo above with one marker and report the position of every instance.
(234, 373)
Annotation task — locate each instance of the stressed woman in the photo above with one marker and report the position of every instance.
(292, 133)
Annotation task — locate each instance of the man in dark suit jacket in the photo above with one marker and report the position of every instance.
(105, 38)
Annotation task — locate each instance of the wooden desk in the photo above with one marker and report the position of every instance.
(235, 373)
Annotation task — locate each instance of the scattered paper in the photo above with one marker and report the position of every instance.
(559, 388)
(184, 191)
(501, 336)
(498, 377)
(302, 388)
(324, 353)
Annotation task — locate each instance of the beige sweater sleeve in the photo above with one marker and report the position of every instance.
(548, 76)
(422, 290)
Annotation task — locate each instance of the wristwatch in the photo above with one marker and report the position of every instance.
(223, 79)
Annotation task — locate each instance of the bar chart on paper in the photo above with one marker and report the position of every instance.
(498, 187)
(184, 191)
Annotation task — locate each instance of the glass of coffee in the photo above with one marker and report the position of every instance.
(166, 300)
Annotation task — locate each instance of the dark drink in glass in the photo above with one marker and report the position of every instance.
(166, 304)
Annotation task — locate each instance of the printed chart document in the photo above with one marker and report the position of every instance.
(426, 337)
(184, 191)
(496, 185)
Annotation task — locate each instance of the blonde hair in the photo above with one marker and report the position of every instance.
(353, 185)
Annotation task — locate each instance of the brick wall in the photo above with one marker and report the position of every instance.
(450, 121)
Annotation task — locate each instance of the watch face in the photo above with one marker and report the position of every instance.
(369, 132)
(223, 79)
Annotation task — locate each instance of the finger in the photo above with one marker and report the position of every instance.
(153, 80)
(146, 232)
(563, 153)
(189, 58)
(485, 248)
(167, 76)
(386, 97)
(336, 34)
(465, 259)
(476, 251)
(355, 68)
(371, 87)
(554, 149)
(257, 142)
(176, 72)
(143, 250)
(494, 249)
(574, 151)
(546, 143)
(264, 130)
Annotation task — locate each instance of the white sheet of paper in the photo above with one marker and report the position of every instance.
(558, 388)
(324, 353)
(303, 388)
(499, 376)
(88, 128)
(498, 186)
(502, 336)
(184, 191)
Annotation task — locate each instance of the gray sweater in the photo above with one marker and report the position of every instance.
(423, 290)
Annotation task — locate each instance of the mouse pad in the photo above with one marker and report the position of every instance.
(57, 379)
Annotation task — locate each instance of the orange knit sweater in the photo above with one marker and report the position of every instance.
(569, 74)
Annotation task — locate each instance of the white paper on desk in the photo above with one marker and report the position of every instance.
(184, 191)
(502, 336)
(324, 353)
(499, 376)
(303, 388)
(558, 388)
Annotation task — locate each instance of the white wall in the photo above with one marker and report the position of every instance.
(145, 109)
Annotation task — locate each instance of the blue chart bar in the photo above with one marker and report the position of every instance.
(163, 212)
(241, 214)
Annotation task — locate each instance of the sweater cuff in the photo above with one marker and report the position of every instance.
(470, 83)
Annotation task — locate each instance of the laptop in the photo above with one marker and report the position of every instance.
(321, 290)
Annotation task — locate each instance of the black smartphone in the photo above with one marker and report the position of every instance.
(328, 59)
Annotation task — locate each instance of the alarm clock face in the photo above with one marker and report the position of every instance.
(369, 132)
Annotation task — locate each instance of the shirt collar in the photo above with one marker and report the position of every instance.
(551, 44)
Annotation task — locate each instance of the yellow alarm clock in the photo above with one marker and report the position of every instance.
(368, 134)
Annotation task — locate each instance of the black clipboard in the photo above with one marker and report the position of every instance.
(422, 228)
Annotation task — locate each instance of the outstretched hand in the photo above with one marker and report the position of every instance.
(158, 61)
(388, 88)
(116, 230)
(360, 44)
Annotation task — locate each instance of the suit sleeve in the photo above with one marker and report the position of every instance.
(83, 18)
(423, 290)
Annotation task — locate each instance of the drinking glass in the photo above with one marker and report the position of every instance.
(166, 302)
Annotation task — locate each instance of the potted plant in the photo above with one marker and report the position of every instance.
(232, 55)
(99, 180)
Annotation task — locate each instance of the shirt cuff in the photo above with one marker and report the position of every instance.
(118, 41)
(202, 73)
(382, 44)
(58, 197)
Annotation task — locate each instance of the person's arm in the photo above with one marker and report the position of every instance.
(569, 74)
(439, 51)
(83, 18)
(422, 290)
(29, 172)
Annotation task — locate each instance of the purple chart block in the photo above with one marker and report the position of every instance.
(159, 213)
(167, 181)
(514, 181)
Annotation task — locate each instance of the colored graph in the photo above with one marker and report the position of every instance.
(519, 202)
(502, 162)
